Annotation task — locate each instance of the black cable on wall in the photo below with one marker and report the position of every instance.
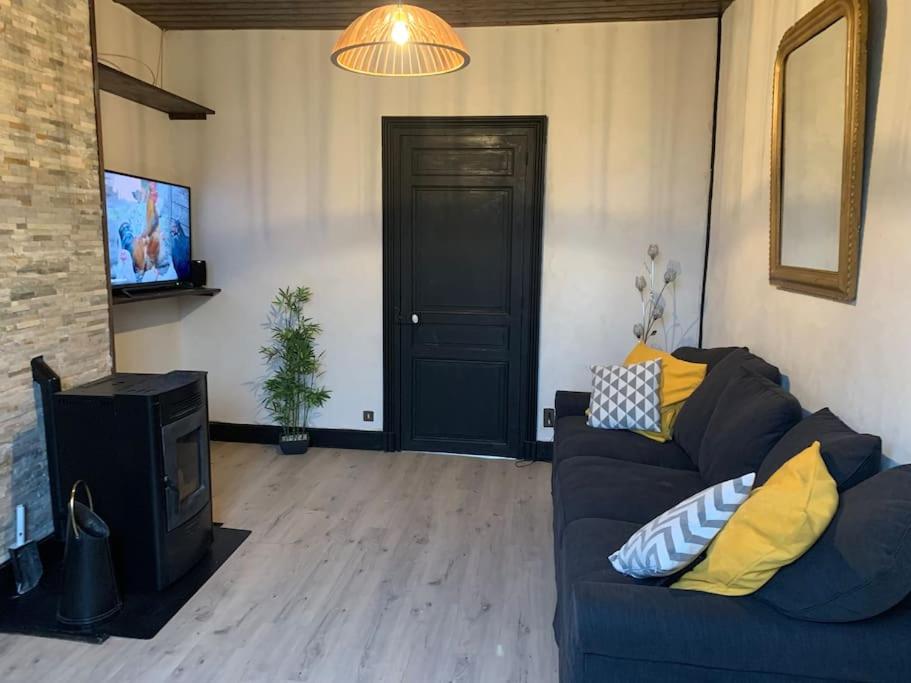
(708, 220)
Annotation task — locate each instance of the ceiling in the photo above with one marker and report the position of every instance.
(337, 14)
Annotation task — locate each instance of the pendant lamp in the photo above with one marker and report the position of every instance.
(400, 40)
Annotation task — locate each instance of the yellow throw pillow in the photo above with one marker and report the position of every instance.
(668, 418)
(679, 379)
(777, 524)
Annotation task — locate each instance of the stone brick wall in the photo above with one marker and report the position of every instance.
(53, 295)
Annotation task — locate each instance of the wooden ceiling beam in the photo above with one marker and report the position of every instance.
(496, 6)
(323, 14)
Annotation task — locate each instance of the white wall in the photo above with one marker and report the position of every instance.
(287, 180)
(848, 357)
(287, 190)
(139, 140)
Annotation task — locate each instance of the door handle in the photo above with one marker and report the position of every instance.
(414, 320)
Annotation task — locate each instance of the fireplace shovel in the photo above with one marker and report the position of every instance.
(24, 557)
(89, 587)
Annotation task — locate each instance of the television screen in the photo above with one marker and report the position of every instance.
(148, 230)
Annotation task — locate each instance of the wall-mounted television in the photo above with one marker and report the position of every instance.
(148, 231)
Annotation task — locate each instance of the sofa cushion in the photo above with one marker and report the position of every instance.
(850, 457)
(697, 411)
(587, 544)
(702, 637)
(753, 413)
(676, 538)
(708, 357)
(861, 566)
(775, 526)
(573, 437)
(583, 554)
(603, 488)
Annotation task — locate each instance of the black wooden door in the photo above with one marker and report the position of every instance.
(463, 238)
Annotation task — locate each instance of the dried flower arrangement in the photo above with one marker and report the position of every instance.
(653, 302)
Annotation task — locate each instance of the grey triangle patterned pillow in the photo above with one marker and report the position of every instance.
(626, 397)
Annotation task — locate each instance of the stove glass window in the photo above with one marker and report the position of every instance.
(188, 464)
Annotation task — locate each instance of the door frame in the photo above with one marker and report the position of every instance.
(392, 331)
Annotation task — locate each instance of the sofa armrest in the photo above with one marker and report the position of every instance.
(568, 403)
(690, 628)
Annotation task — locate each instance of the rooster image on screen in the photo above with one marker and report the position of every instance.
(148, 230)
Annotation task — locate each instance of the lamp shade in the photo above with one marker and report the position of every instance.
(400, 40)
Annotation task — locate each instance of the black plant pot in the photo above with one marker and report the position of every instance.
(294, 445)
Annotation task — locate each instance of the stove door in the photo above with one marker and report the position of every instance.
(185, 448)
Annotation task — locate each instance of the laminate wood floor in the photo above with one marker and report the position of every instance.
(362, 566)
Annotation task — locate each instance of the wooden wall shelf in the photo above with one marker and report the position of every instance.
(121, 296)
(123, 85)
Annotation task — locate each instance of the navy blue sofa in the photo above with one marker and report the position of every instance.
(609, 627)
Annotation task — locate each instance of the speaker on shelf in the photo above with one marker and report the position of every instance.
(198, 273)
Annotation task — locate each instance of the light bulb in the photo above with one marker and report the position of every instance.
(400, 32)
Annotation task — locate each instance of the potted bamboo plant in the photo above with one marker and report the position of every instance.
(292, 390)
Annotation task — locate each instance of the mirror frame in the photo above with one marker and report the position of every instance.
(840, 284)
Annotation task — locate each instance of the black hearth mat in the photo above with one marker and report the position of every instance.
(143, 614)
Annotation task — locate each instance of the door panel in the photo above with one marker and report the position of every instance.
(462, 233)
(462, 239)
(463, 162)
(478, 337)
(472, 407)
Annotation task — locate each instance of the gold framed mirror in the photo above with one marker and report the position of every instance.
(818, 114)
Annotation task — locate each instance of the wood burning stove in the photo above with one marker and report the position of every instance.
(141, 442)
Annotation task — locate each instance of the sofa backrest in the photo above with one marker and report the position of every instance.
(723, 367)
(849, 456)
(709, 357)
(752, 415)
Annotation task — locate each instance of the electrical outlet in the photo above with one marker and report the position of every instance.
(549, 417)
(368, 416)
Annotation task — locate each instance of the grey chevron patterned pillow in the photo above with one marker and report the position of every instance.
(626, 397)
(674, 539)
